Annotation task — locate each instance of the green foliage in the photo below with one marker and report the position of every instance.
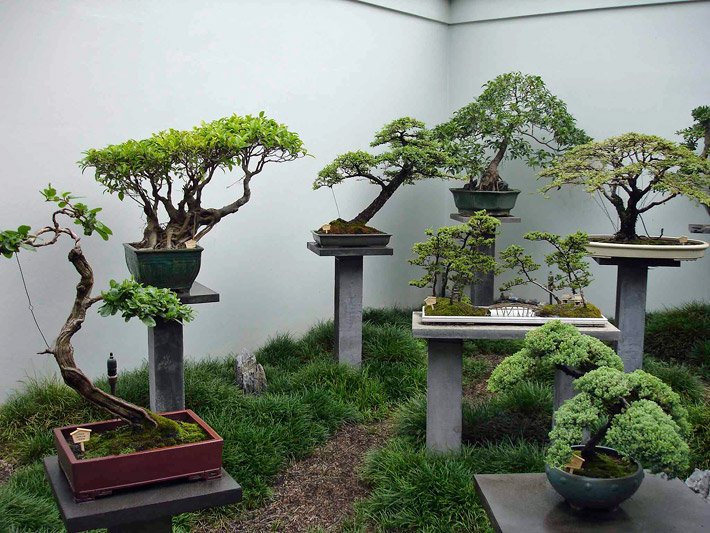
(631, 171)
(553, 345)
(11, 241)
(168, 172)
(639, 416)
(700, 129)
(81, 213)
(411, 154)
(568, 257)
(678, 377)
(699, 438)
(515, 113)
(132, 299)
(451, 257)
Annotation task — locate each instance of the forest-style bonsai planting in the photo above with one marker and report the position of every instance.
(167, 175)
(140, 428)
(515, 117)
(451, 259)
(572, 273)
(411, 154)
(634, 172)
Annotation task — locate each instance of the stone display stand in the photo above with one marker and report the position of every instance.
(483, 292)
(348, 296)
(631, 284)
(165, 355)
(699, 228)
(527, 502)
(444, 371)
(143, 510)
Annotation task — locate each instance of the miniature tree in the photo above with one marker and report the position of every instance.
(167, 174)
(553, 346)
(515, 117)
(568, 256)
(636, 414)
(128, 298)
(700, 129)
(412, 154)
(451, 257)
(631, 171)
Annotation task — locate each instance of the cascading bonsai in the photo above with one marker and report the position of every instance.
(168, 173)
(515, 117)
(451, 259)
(128, 298)
(573, 273)
(411, 154)
(634, 173)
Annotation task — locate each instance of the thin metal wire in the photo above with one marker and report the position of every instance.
(29, 300)
(336, 202)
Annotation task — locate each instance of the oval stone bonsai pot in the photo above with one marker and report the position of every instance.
(100, 476)
(599, 246)
(583, 492)
(174, 269)
(496, 203)
(348, 240)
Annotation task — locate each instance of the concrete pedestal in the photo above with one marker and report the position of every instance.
(483, 292)
(143, 510)
(444, 373)
(165, 355)
(631, 284)
(564, 390)
(348, 297)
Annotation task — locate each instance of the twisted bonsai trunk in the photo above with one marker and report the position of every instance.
(490, 180)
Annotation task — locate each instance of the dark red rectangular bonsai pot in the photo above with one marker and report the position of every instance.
(90, 478)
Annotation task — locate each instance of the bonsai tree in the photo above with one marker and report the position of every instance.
(636, 414)
(128, 298)
(411, 154)
(553, 346)
(451, 257)
(700, 129)
(569, 259)
(167, 173)
(635, 173)
(515, 117)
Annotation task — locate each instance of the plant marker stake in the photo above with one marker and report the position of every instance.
(326, 228)
(575, 463)
(112, 372)
(430, 301)
(80, 436)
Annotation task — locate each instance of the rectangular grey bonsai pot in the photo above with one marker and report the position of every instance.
(336, 239)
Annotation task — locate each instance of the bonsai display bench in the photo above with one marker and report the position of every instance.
(145, 510)
(348, 296)
(527, 502)
(445, 365)
(631, 285)
(166, 367)
(483, 292)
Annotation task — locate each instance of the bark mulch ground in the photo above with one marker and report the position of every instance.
(320, 491)
(476, 391)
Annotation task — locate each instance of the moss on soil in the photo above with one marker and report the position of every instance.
(649, 241)
(603, 466)
(445, 307)
(342, 227)
(571, 311)
(125, 439)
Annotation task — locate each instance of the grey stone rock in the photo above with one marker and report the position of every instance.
(699, 481)
(251, 377)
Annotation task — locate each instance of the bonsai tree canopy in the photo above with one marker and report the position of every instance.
(700, 129)
(167, 173)
(635, 173)
(128, 298)
(636, 414)
(515, 117)
(411, 154)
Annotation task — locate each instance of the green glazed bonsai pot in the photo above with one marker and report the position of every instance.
(594, 493)
(496, 203)
(174, 269)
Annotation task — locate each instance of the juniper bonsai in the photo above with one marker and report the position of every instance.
(129, 298)
(553, 346)
(451, 257)
(412, 154)
(635, 173)
(636, 414)
(700, 129)
(168, 173)
(515, 117)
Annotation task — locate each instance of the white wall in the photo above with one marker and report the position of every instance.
(633, 69)
(80, 74)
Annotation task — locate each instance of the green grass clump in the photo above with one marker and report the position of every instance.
(681, 334)
(699, 439)
(571, 311)
(678, 376)
(481, 347)
(389, 316)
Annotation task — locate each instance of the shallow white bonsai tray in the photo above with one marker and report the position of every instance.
(507, 318)
(694, 249)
